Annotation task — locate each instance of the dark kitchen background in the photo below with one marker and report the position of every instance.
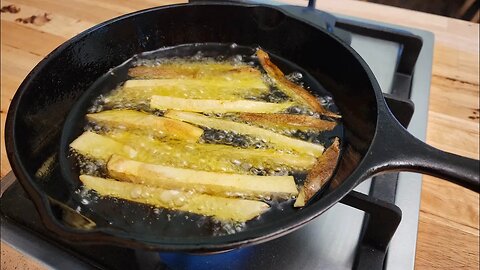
(461, 9)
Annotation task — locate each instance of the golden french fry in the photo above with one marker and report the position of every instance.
(197, 83)
(210, 157)
(207, 157)
(287, 121)
(100, 147)
(147, 123)
(136, 92)
(222, 208)
(197, 70)
(278, 140)
(222, 184)
(216, 106)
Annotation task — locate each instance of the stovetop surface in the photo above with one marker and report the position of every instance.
(328, 242)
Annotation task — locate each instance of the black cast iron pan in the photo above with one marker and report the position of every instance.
(373, 142)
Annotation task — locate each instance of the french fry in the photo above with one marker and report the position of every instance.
(222, 208)
(207, 157)
(321, 172)
(214, 183)
(196, 83)
(293, 90)
(287, 121)
(210, 157)
(183, 69)
(140, 91)
(100, 147)
(158, 126)
(216, 106)
(278, 140)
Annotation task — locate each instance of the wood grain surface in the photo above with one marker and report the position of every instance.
(448, 235)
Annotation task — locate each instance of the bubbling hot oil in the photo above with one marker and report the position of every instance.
(118, 98)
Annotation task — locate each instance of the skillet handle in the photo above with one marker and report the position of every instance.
(401, 151)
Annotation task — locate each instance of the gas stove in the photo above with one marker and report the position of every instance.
(373, 227)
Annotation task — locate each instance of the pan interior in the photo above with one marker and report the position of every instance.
(142, 219)
(38, 113)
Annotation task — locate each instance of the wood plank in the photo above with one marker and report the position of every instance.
(445, 200)
(82, 11)
(454, 98)
(11, 259)
(93, 11)
(31, 40)
(60, 24)
(452, 62)
(443, 246)
(15, 65)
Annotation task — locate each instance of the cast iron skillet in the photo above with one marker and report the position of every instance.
(373, 142)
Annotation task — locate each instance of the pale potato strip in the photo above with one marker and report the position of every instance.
(208, 157)
(216, 106)
(194, 70)
(195, 83)
(288, 121)
(214, 183)
(140, 91)
(293, 90)
(148, 123)
(278, 140)
(222, 208)
(96, 146)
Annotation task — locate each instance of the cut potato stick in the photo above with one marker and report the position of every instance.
(278, 140)
(158, 126)
(211, 157)
(198, 83)
(321, 172)
(222, 184)
(208, 157)
(216, 106)
(293, 90)
(100, 147)
(288, 121)
(182, 69)
(222, 208)
(140, 91)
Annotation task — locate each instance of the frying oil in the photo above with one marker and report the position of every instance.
(227, 86)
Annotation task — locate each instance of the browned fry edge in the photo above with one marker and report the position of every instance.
(322, 171)
(289, 120)
(298, 92)
(166, 72)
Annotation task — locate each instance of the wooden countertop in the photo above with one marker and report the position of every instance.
(449, 217)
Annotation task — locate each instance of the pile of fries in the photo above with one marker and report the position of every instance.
(163, 160)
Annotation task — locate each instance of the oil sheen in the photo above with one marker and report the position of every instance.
(208, 153)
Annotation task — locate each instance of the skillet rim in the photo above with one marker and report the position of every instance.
(259, 235)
